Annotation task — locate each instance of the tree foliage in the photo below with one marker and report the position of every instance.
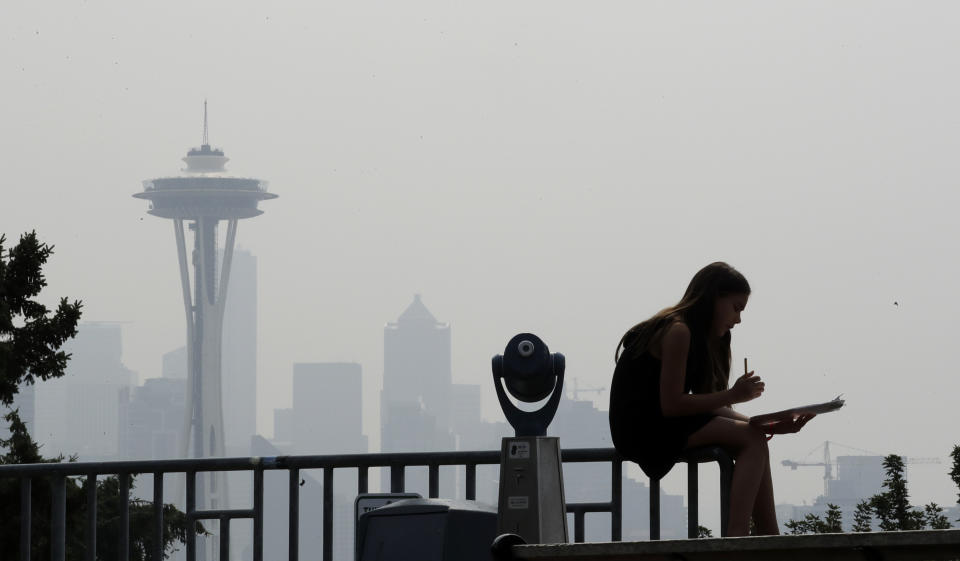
(832, 523)
(30, 341)
(30, 338)
(892, 506)
(934, 518)
(863, 517)
(955, 472)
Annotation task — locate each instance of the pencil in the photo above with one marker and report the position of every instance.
(745, 371)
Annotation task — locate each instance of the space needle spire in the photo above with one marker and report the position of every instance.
(206, 138)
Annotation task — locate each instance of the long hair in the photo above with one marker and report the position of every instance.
(708, 361)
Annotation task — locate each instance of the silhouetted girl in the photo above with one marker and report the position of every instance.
(670, 392)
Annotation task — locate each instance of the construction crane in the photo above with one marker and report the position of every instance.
(576, 391)
(829, 462)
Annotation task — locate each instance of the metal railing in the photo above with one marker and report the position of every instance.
(396, 462)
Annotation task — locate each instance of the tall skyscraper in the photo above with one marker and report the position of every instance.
(415, 400)
(240, 355)
(77, 414)
(328, 408)
(417, 380)
(327, 412)
(174, 364)
(326, 418)
(151, 419)
(203, 195)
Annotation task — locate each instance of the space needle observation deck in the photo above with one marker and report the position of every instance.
(205, 189)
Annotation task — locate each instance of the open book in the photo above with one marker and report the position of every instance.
(791, 414)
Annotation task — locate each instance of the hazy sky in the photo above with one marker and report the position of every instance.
(558, 167)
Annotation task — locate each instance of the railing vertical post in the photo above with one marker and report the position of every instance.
(328, 514)
(616, 514)
(258, 513)
(124, 517)
(158, 515)
(434, 481)
(654, 509)
(726, 480)
(397, 477)
(91, 521)
(294, 515)
(471, 482)
(578, 516)
(25, 517)
(224, 538)
(191, 477)
(58, 519)
(362, 479)
(693, 499)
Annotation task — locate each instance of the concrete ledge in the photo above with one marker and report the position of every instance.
(876, 546)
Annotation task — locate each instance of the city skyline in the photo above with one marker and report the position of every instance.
(329, 394)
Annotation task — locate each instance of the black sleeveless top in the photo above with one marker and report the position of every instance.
(640, 431)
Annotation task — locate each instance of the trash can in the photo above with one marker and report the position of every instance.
(427, 530)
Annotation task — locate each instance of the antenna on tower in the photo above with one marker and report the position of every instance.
(206, 140)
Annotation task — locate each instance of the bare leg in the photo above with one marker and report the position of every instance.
(752, 461)
(764, 511)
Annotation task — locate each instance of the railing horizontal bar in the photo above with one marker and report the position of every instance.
(221, 513)
(589, 507)
(286, 462)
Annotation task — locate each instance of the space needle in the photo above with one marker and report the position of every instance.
(203, 195)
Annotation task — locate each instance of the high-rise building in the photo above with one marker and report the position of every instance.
(203, 196)
(328, 408)
(326, 418)
(239, 364)
(24, 402)
(417, 387)
(77, 413)
(327, 412)
(417, 380)
(174, 364)
(151, 419)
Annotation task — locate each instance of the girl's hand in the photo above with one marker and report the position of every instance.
(787, 427)
(746, 387)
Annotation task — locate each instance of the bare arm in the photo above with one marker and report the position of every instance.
(729, 413)
(674, 402)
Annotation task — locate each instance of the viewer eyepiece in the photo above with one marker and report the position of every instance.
(530, 373)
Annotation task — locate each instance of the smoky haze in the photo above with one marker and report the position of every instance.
(556, 167)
